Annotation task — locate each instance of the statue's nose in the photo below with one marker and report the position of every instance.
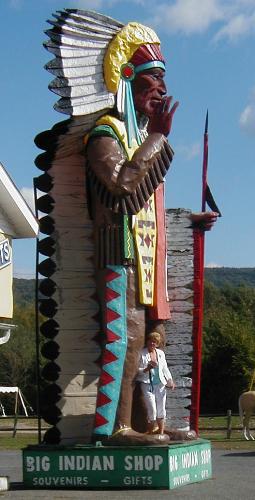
(162, 89)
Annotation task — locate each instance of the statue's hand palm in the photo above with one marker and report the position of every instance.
(161, 121)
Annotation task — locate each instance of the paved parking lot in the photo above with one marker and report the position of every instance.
(233, 478)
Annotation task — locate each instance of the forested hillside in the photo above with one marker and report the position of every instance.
(24, 290)
(232, 276)
(228, 339)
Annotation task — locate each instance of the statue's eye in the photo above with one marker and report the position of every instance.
(157, 76)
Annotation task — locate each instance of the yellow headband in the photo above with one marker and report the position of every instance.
(122, 48)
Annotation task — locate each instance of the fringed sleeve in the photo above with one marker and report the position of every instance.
(125, 186)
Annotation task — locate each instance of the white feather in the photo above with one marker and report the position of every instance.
(94, 18)
(80, 90)
(75, 82)
(74, 62)
(76, 72)
(79, 39)
(78, 101)
(66, 51)
(74, 30)
(76, 41)
(84, 108)
(120, 100)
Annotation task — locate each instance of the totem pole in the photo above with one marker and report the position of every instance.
(104, 176)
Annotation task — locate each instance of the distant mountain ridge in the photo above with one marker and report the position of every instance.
(24, 289)
(232, 276)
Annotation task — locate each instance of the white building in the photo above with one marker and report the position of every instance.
(16, 221)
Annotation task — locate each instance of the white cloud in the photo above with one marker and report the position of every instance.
(247, 117)
(243, 3)
(101, 4)
(230, 19)
(88, 4)
(188, 16)
(226, 19)
(189, 152)
(137, 2)
(28, 195)
(238, 26)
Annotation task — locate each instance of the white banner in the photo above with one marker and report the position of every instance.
(6, 278)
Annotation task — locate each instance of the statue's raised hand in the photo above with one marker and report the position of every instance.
(161, 121)
(204, 220)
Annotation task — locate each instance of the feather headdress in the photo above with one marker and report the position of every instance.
(90, 51)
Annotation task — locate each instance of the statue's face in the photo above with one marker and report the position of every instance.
(148, 91)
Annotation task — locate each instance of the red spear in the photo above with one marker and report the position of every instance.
(207, 196)
(199, 248)
(199, 251)
(205, 164)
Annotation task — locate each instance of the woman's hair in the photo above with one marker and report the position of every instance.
(154, 336)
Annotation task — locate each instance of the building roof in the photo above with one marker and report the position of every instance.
(16, 218)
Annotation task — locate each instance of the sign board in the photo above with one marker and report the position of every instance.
(189, 464)
(6, 277)
(143, 467)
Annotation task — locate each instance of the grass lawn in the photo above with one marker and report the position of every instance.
(26, 433)
(215, 429)
(18, 442)
(212, 428)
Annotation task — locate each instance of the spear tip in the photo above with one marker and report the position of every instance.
(206, 122)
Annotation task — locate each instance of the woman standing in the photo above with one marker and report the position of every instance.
(154, 376)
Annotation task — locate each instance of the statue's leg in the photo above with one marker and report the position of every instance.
(118, 411)
(111, 292)
(136, 339)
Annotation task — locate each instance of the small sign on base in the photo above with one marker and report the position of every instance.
(95, 467)
(4, 483)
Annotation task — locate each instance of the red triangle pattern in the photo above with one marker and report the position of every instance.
(111, 315)
(108, 357)
(111, 294)
(102, 399)
(111, 275)
(105, 378)
(111, 336)
(100, 420)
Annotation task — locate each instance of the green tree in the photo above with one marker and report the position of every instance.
(228, 346)
(18, 355)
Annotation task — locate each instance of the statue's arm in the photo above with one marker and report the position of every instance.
(147, 168)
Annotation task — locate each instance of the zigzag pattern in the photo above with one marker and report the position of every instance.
(115, 350)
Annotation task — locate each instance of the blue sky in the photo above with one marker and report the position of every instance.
(209, 49)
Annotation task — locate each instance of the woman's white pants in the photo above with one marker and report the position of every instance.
(155, 401)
